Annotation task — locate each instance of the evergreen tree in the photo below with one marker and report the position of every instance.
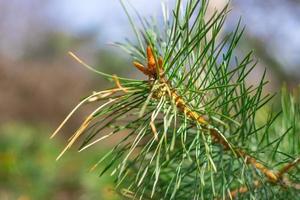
(194, 128)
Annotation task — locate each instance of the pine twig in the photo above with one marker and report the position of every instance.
(288, 167)
(280, 180)
(272, 177)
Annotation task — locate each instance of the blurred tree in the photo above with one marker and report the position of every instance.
(274, 36)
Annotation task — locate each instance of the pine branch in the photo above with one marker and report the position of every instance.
(275, 178)
(192, 128)
(184, 108)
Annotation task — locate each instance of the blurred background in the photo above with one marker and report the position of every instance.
(40, 83)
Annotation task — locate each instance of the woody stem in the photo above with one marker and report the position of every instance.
(220, 139)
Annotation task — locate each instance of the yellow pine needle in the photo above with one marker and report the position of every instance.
(83, 126)
(67, 118)
(97, 96)
(118, 84)
(84, 64)
(77, 134)
(96, 141)
(153, 128)
(94, 97)
(93, 167)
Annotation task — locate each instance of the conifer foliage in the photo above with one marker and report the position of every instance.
(193, 129)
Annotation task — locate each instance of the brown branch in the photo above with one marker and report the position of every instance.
(280, 180)
(288, 167)
(242, 190)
